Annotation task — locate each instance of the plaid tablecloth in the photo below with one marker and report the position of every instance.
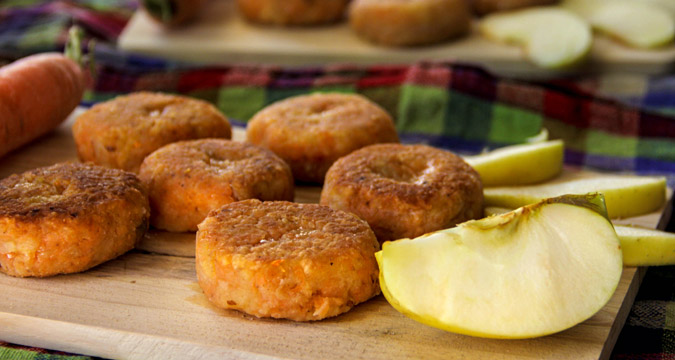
(614, 122)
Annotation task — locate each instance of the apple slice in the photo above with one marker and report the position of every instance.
(668, 5)
(519, 164)
(646, 247)
(626, 196)
(551, 37)
(531, 272)
(638, 24)
(641, 247)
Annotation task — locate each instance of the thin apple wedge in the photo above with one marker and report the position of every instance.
(625, 196)
(519, 164)
(646, 247)
(551, 37)
(637, 24)
(537, 270)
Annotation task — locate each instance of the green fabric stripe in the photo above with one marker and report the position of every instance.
(210, 95)
(276, 94)
(349, 89)
(656, 148)
(241, 102)
(669, 323)
(19, 354)
(512, 125)
(602, 143)
(421, 109)
(45, 35)
(467, 117)
(668, 344)
(574, 137)
(385, 96)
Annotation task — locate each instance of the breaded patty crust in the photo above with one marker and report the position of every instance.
(286, 260)
(68, 217)
(120, 133)
(404, 191)
(187, 179)
(310, 132)
(293, 12)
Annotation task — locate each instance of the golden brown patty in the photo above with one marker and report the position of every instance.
(483, 7)
(68, 217)
(286, 260)
(121, 132)
(293, 12)
(188, 179)
(409, 22)
(404, 191)
(310, 132)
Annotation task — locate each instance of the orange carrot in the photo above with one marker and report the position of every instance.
(37, 93)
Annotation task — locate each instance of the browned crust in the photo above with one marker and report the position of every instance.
(409, 23)
(293, 12)
(286, 260)
(482, 7)
(188, 179)
(121, 132)
(404, 191)
(68, 217)
(310, 132)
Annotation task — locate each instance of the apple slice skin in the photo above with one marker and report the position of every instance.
(605, 254)
(625, 196)
(519, 164)
(646, 247)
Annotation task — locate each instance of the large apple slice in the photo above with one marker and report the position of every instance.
(640, 246)
(551, 37)
(645, 247)
(531, 272)
(519, 164)
(638, 24)
(626, 196)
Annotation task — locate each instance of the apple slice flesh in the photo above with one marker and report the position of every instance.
(638, 24)
(640, 246)
(625, 196)
(646, 247)
(551, 37)
(519, 164)
(531, 272)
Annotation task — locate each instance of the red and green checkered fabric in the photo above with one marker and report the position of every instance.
(454, 106)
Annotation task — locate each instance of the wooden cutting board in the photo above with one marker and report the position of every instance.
(145, 305)
(221, 35)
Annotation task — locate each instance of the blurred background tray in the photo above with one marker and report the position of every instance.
(221, 35)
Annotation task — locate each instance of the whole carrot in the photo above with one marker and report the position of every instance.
(37, 93)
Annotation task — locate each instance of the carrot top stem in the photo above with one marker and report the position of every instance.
(73, 48)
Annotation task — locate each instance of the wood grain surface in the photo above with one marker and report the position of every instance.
(145, 305)
(221, 35)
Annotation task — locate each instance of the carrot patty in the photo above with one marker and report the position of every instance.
(404, 191)
(310, 132)
(409, 22)
(121, 132)
(187, 179)
(293, 12)
(286, 260)
(68, 217)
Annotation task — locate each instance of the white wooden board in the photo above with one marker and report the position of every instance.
(221, 35)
